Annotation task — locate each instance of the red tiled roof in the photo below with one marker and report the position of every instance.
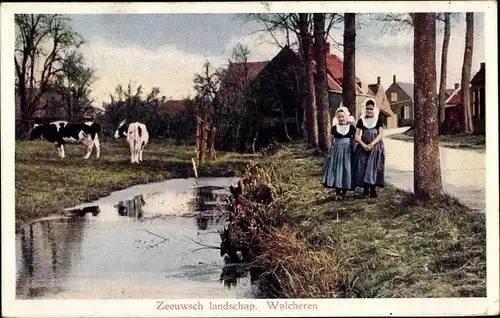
(333, 84)
(454, 98)
(237, 75)
(335, 68)
(237, 72)
(448, 92)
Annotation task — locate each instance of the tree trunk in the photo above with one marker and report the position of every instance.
(427, 167)
(349, 80)
(23, 110)
(310, 110)
(444, 68)
(321, 82)
(466, 72)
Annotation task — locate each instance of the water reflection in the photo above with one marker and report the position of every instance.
(46, 250)
(132, 208)
(76, 257)
(208, 202)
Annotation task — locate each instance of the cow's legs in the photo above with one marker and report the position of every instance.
(140, 151)
(89, 151)
(132, 153)
(97, 146)
(89, 144)
(61, 151)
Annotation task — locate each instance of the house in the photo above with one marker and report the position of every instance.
(277, 96)
(400, 96)
(478, 91)
(389, 118)
(453, 99)
(269, 89)
(453, 122)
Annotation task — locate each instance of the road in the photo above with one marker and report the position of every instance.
(463, 172)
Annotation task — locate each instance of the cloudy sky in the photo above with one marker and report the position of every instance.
(166, 50)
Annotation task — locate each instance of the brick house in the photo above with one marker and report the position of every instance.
(400, 96)
(453, 122)
(478, 91)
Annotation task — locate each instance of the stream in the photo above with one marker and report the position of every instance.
(148, 241)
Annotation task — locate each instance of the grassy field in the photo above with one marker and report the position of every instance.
(461, 141)
(45, 184)
(384, 247)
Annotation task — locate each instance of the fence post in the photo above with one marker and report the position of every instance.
(202, 144)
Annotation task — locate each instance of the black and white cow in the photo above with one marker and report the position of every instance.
(137, 137)
(61, 132)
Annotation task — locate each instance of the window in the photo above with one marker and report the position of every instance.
(394, 97)
(406, 112)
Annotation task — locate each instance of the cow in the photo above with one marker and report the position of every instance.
(61, 132)
(137, 137)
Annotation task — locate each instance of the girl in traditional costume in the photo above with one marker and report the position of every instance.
(369, 156)
(337, 173)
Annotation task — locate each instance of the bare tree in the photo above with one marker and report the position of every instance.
(444, 63)
(306, 45)
(349, 80)
(466, 72)
(321, 82)
(300, 25)
(427, 168)
(73, 85)
(43, 41)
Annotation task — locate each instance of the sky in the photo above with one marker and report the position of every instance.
(166, 50)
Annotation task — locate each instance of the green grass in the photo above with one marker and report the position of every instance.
(384, 247)
(390, 246)
(45, 184)
(460, 141)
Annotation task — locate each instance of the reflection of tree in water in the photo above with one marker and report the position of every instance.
(204, 205)
(233, 271)
(132, 208)
(47, 248)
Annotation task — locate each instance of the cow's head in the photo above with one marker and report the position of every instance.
(121, 131)
(36, 132)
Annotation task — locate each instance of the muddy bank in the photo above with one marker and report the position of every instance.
(147, 241)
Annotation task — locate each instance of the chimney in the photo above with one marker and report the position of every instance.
(327, 48)
(394, 78)
(457, 85)
(378, 80)
(483, 65)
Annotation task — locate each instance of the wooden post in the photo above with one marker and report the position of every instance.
(194, 168)
(201, 155)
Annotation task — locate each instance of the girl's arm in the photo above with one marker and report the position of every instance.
(357, 138)
(379, 136)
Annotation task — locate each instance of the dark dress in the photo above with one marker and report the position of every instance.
(337, 172)
(368, 166)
